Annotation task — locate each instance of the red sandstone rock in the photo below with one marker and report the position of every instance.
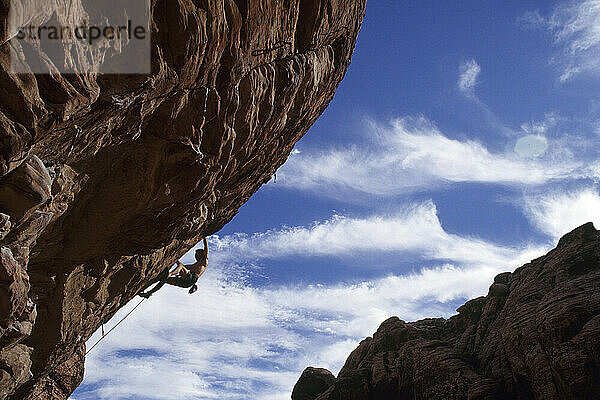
(312, 383)
(536, 335)
(24, 189)
(161, 160)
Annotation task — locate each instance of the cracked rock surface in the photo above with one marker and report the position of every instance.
(536, 335)
(161, 160)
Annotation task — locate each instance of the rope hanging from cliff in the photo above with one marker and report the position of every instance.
(48, 386)
(76, 132)
(111, 329)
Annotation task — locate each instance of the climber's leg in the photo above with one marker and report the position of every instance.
(183, 282)
(160, 280)
(153, 290)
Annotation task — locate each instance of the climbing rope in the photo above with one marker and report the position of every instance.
(113, 328)
(87, 274)
(205, 103)
(76, 132)
(48, 386)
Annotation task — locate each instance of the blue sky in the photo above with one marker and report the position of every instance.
(462, 143)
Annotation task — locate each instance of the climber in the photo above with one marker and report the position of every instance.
(184, 276)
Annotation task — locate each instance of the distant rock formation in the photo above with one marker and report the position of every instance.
(107, 179)
(536, 335)
(312, 383)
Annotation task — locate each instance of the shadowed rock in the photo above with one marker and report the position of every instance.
(24, 188)
(158, 162)
(536, 335)
(312, 383)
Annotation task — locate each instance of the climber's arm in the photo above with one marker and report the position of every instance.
(201, 271)
(201, 263)
(205, 261)
(177, 270)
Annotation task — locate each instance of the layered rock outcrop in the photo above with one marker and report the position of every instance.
(536, 335)
(107, 179)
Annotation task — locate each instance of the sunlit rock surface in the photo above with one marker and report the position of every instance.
(87, 217)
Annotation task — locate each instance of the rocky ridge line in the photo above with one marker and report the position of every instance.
(536, 335)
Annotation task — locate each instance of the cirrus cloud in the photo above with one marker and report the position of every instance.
(469, 73)
(559, 211)
(235, 339)
(576, 31)
(412, 154)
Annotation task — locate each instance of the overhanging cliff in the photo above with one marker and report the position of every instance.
(107, 179)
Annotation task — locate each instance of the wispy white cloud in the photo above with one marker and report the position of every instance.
(468, 79)
(541, 127)
(205, 346)
(412, 154)
(560, 211)
(239, 342)
(414, 229)
(236, 340)
(468, 76)
(576, 30)
(532, 19)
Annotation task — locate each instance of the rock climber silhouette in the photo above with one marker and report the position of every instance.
(184, 276)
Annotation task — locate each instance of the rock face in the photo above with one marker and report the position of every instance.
(312, 383)
(107, 179)
(536, 335)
